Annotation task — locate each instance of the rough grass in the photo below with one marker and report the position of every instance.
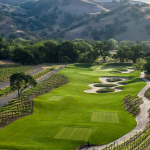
(74, 110)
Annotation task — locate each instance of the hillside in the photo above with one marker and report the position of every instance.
(130, 23)
(71, 19)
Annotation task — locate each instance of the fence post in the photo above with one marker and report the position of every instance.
(31, 104)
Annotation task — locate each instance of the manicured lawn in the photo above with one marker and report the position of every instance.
(67, 117)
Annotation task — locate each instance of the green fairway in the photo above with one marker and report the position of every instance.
(67, 116)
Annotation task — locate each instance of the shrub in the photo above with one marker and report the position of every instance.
(105, 90)
(104, 85)
(113, 80)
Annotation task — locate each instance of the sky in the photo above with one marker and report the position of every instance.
(145, 1)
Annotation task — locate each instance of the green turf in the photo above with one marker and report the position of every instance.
(106, 117)
(55, 98)
(74, 133)
(74, 110)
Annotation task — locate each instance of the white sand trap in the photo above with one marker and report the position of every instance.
(129, 70)
(103, 79)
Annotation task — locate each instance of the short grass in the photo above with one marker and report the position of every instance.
(74, 110)
(105, 117)
(74, 133)
(55, 98)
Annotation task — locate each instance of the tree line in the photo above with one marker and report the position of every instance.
(79, 50)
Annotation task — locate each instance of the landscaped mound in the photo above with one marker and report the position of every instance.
(104, 85)
(113, 80)
(105, 90)
(132, 103)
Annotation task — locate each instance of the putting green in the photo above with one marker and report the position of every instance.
(55, 98)
(106, 117)
(74, 133)
(61, 119)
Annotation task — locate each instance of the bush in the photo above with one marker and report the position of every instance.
(105, 90)
(104, 85)
(113, 80)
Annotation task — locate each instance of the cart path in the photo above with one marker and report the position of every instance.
(142, 119)
(39, 69)
(5, 100)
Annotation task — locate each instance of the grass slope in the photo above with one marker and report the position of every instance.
(57, 124)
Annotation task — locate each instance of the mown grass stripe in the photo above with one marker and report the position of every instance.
(74, 133)
(106, 117)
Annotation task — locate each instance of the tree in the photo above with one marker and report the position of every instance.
(69, 49)
(147, 65)
(145, 45)
(139, 64)
(147, 53)
(20, 81)
(104, 49)
(127, 44)
(49, 51)
(85, 52)
(114, 56)
(65, 59)
(137, 50)
(23, 56)
(130, 55)
(4, 51)
(122, 54)
(2, 43)
(114, 44)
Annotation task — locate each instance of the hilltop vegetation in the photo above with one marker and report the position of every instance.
(71, 19)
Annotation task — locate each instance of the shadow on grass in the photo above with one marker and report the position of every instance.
(110, 65)
(105, 65)
(132, 80)
(84, 65)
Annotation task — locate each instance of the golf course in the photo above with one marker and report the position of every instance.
(67, 116)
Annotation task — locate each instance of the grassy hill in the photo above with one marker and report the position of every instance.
(71, 19)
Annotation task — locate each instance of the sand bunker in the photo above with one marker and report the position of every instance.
(103, 79)
(129, 70)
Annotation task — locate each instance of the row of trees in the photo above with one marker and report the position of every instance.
(125, 53)
(78, 50)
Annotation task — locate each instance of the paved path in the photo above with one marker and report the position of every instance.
(5, 100)
(142, 119)
(3, 85)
